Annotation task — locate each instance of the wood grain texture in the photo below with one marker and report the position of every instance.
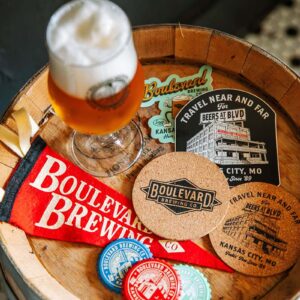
(7, 156)
(227, 53)
(70, 267)
(5, 172)
(291, 102)
(267, 73)
(38, 92)
(155, 42)
(18, 249)
(288, 287)
(192, 44)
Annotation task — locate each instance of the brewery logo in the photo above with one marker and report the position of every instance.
(257, 229)
(226, 127)
(171, 96)
(108, 94)
(162, 125)
(117, 258)
(194, 85)
(152, 279)
(181, 196)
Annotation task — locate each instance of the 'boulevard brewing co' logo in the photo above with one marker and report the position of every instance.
(181, 196)
(171, 95)
(193, 85)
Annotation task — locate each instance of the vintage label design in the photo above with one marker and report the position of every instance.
(260, 234)
(117, 258)
(234, 129)
(172, 95)
(259, 230)
(181, 196)
(174, 85)
(185, 190)
(152, 279)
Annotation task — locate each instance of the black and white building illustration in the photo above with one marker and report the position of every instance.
(122, 262)
(234, 129)
(152, 287)
(225, 141)
(258, 232)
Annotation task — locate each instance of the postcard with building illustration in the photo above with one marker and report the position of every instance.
(234, 129)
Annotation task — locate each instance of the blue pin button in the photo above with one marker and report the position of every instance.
(115, 260)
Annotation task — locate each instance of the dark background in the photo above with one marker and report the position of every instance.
(23, 25)
(254, 122)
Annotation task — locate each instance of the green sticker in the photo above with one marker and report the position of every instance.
(162, 126)
(169, 95)
(194, 284)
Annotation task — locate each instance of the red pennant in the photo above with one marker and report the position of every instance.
(52, 198)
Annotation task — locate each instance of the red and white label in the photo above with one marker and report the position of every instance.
(152, 279)
(171, 246)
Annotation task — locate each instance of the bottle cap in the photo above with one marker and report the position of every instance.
(116, 258)
(194, 284)
(152, 279)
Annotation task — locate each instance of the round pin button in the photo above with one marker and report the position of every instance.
(152, 279)
(116, 258)
(194, 284)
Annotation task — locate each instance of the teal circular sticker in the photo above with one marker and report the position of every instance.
(194, 284)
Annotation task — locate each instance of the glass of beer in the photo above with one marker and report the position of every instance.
(96, 84)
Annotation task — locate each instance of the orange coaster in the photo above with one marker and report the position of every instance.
(261, 232)
(181, 196)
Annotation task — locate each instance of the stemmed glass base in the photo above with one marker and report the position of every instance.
(107, 155)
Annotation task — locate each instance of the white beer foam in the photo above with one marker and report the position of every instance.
(89, 42)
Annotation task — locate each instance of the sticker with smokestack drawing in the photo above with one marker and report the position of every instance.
(234, 129)
(171, 95)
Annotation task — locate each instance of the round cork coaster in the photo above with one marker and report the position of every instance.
(181, 196)
(261, 231)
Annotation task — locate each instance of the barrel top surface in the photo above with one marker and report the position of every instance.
(62, 270)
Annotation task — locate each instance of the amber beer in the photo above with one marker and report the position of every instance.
(89, 117)
(95, 81)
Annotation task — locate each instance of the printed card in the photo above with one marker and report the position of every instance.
(234, 129)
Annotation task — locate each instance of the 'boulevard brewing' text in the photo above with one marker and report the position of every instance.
(106, 215)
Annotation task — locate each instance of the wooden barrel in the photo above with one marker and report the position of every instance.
(37, 268)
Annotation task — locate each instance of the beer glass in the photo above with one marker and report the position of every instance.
(96, 84)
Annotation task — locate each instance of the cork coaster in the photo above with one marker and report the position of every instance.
(181, 196)
(261, 231)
